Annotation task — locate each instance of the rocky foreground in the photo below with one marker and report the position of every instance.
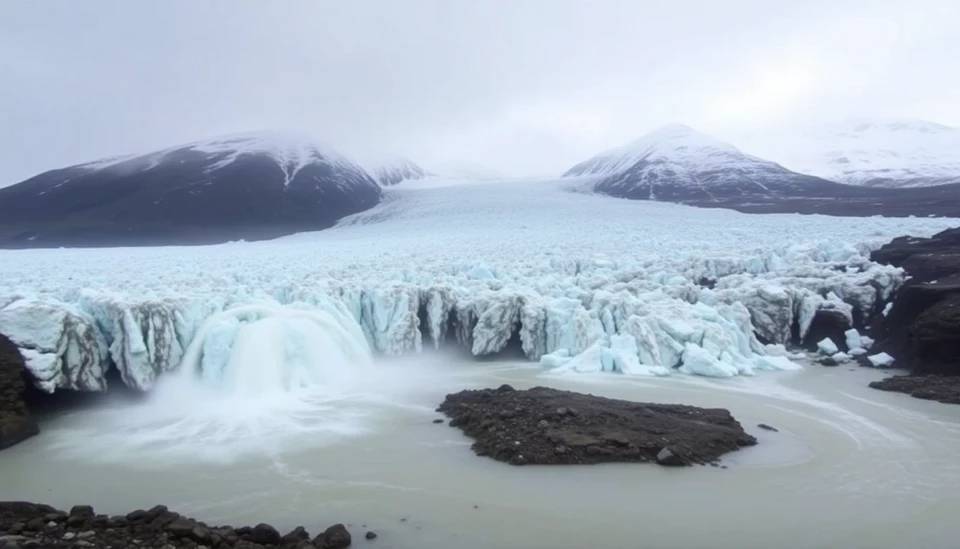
(24, 525)
(922, 327)
(550, 426)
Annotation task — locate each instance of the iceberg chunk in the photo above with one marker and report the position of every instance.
(827, 347)
(853, 339)
(841, 357)
(881, 360)
(775, 363)
(698, 361)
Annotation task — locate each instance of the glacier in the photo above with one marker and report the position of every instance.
(576, 282)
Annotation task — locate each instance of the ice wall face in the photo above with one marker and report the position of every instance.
(61, 345)
(586, 316)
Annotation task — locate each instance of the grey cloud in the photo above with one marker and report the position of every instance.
(525, 87)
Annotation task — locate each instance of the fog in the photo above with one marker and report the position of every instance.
(526, 88)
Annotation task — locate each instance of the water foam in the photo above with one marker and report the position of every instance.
(255, 379)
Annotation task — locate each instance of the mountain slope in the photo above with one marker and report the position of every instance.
(678, 164)
(395, 170)
(878, 153)
(243, 186)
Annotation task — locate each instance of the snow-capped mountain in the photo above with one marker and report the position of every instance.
(395, 170)
(676, 162)
(241, 186)
(465, 170)
(878, 153)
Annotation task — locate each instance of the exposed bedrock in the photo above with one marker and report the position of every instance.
(16, 425)
(549, 426)
(922, 327)
(610, 318)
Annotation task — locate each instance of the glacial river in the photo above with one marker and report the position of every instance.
(850, 467)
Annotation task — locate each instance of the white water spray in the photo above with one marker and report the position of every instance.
(254, 379)
(262, 350)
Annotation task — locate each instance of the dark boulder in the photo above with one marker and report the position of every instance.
(16, 424)
(334, 537)
(667, 458)
(296, 535)
(265, 534)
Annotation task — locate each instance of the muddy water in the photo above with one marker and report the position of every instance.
(850, 467)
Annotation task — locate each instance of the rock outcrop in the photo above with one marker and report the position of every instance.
(16, 425)
(549, 426)
(922, 328)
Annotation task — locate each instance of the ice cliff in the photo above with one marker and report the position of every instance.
(704, 317)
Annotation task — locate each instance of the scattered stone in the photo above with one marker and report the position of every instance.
(589, 429)
(768, 427)
(335, 537)
(829, 361)
(156, 528)
(134, 516)
(297, 534)
(438, 420)
(666, 457)
(81, 511)
(265, 534)
(371, 535)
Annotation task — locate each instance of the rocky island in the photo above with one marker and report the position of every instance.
(549, 426)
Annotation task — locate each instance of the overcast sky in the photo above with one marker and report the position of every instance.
(523, 86)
